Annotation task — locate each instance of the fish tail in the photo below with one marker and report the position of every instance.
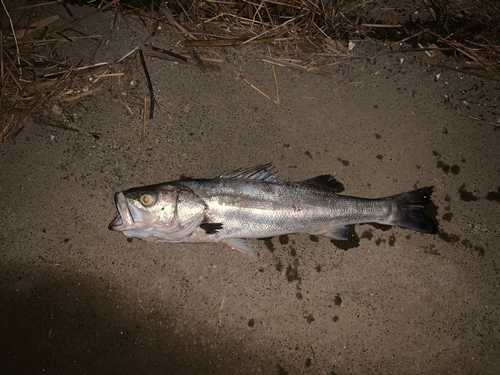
(410, 211)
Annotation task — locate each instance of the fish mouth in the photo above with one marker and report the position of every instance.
(129, 217)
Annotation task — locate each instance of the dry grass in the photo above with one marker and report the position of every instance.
(36, 85)
(471, 29)
(307, 35)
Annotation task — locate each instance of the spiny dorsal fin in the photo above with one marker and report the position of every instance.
(325, 181)
(259, 172)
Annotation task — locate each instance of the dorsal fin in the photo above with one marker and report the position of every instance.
(325, 181)
(259, 172)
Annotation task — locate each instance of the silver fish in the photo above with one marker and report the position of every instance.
(252, 203)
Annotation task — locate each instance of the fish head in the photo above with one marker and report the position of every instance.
(163, 212)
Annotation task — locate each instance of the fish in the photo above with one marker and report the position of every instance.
(253, 203)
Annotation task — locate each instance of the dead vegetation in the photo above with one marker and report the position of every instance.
(308, 35)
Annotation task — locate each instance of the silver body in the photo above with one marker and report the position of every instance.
(258, 209)
(252, 203)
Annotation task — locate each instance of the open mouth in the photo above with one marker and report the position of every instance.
(129, 217)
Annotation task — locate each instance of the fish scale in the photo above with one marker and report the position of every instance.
(278, 208)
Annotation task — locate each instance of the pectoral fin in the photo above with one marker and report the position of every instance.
(337, 233)
(239, 244)
(211, 228)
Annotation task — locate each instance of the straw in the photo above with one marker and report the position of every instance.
(310, 36)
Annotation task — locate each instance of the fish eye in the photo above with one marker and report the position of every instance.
(147, 199)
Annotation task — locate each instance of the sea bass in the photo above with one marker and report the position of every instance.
(252, 203)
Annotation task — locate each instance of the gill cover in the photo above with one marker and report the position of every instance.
(161, 213)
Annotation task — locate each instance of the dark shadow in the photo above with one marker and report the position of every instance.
(55, 322)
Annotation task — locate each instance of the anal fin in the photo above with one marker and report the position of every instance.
(239, 244)
(337, 233)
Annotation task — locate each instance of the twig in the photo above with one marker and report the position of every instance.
(28, 26)
(1, 67)
(222, 42)
(4, 90)
(50, 261)
(150, 86)
(67, 26)
(247, 82)
(53, 125)
(314, 355)
(13, 32)
(36, 26)
(38, 5)
(73, 69)
(277, 88)
(170, 18)
(143, 134)
(220, 311)
(483, 120)
(139, 300)
(127, 55)
(286, 64)
(267, 31)
(65, 39)
(82, 95)
(379, 25)
(177, 56)
(131, 100)
(274, 2)
(106, 74)
(488, 74)
(11, 74)
(406, 39)
(107, 34)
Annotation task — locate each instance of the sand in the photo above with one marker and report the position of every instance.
(77, 298)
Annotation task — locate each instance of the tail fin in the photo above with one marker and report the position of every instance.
(410, 212)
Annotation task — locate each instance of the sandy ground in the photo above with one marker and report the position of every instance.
(77, 298)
